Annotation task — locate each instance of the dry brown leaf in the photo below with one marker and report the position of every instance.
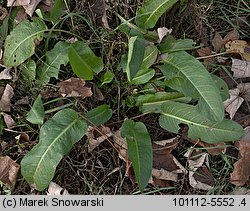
(162, 32)
(8, 120)
(5, 74)
(31, 7)
(200, 176)
(46, 5)
(74, 87)
(23, 101)
(96, 135)
(3, 13)
(217, 42)
(11, 3)
(99, 9)
(239, 46)
(22, 138)
(55, 189)
(241, 170)
(240, 68)
(206, 51)
(232, 104)
(121, 145)
(240, 191)
(6, 97)
(165, 165)
(8, 171)
(244, 90)
(20, 16)
(231, 36)
(97, 92)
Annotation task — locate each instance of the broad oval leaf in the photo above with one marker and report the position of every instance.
(83, 61)
(36, 113)
(57, 137)
(20, 43)
(135, 56)
(199, 127)
(139, 150)
(192, 79)
(151, 11)
(54, 59)
(99, 115)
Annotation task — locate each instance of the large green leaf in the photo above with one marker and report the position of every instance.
(54, 59)
(57, 137)
(146, 73)
(152, 102)
(36, 113)
(99, 115)
(21, 42)
(151, 11)
(83, 61)
(139, 150)
(199, 127)
(188, 76)
(170, 44)
(135, 56)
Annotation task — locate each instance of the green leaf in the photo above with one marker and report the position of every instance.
(173, 114)
(54, 59)
(83, 61)
(222, 87)
(99, 115)
(169, 45)
(150, 56)
(151, 11)
(36, 114)
(57, 10)
(28, 73)
(57, 137)
(192, 79)
(143, 76)
(107, 77)
(135, 56)
(139, 150)
(151, 103)
(20, 43)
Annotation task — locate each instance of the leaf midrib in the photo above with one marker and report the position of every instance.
(194, 123)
